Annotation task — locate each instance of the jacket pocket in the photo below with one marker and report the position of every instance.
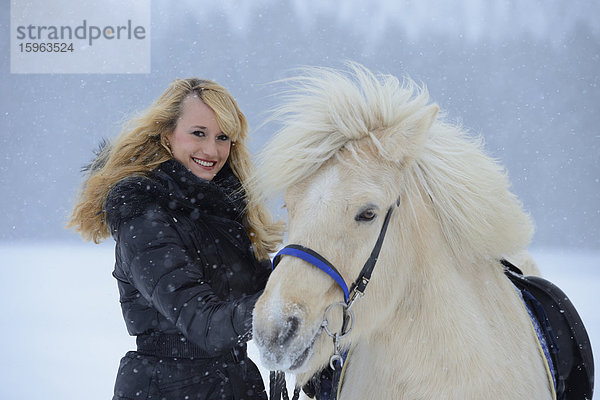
(134, 377)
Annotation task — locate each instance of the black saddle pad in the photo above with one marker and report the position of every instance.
(564, 332)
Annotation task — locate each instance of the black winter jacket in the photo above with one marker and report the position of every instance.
(184, 263)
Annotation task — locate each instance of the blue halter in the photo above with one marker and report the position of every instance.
(314, 258)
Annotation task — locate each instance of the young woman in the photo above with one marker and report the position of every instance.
(191, 244)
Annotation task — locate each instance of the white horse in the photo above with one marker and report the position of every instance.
(438, 320)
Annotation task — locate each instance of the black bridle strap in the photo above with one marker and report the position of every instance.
(360, 284)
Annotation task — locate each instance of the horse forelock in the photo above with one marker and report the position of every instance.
(327, 111)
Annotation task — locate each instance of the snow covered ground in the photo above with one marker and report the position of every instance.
(62, 334)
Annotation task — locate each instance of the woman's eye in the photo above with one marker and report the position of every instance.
(198, 133)
(366, 215)
(223, 137)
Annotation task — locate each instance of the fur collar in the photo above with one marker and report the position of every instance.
(174, 187)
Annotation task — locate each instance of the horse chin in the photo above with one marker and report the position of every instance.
(301, 363)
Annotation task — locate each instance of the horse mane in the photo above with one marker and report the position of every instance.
(470, 194)
(327, 111)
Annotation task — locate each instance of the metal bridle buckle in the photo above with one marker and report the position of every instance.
(336, 354)
(347, 312)
(337, 357)
(355, 295)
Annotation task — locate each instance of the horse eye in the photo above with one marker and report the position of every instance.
(366, 215)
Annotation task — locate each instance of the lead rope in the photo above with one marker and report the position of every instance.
(278, 388)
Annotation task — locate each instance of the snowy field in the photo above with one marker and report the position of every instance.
(62, 333)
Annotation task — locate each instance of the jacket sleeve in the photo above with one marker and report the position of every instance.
(263, 271)
(165, 274)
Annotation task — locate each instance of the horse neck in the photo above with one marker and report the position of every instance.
(444, 313)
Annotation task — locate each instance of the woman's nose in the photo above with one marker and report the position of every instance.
(210, 149)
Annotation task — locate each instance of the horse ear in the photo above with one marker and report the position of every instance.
(407, 141)
(427, 119)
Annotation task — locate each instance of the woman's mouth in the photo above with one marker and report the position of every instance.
(204, 163)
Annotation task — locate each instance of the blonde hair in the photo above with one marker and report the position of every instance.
(142, 146)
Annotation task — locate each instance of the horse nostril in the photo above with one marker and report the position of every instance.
(288, 330)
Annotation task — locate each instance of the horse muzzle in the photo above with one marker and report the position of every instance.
(282, 339)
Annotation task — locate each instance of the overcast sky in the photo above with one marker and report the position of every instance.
(522, 73)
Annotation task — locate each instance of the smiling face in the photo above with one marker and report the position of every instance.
(197, 141)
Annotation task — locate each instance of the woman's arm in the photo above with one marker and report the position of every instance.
(161, 269)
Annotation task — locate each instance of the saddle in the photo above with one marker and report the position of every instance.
(570, 360)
